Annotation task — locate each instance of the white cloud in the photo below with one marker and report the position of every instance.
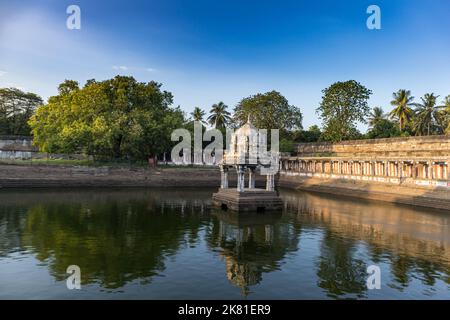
(123, 68)
(150, 70)
(2, 73)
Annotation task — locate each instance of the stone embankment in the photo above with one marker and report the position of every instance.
(436, 198)
(58, 176)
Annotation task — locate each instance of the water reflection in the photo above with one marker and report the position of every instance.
(140, 241)
(114, 237)
(415, 242)
(251, 244)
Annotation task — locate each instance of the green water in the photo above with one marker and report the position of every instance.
(169, 244)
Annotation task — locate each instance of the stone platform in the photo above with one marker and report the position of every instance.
(250, 200)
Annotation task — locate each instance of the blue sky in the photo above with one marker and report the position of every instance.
(208, 51)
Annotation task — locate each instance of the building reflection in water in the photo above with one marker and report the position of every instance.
(414, 242)
(119, 237)
(252, 244)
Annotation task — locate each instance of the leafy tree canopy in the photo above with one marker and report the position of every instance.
(313, 134)
(16, 108)
(270, 110)
(383, 128)
(119, 118)
(343, 105)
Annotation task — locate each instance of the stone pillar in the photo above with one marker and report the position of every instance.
(251, 178)
(270, 182)
(223, 177)
(240, 178)
(430, 169)
(448, 170)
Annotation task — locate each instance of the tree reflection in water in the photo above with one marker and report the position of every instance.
(114, 238)
(119, 237)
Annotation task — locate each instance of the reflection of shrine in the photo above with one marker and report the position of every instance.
(252, 244)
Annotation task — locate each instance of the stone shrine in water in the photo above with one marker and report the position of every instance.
(248, 154)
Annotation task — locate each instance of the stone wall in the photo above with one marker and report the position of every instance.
(16, 147)
(416, 147)
(22, 148)
(413, 162)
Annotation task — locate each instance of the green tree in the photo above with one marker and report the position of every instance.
(402, 112)
(426, 115)
(270, 110)
(343, 105)
(376, 116)
(444, 115)
(119, 118)
(69, 86)
(383, 128)
(198, 114)
(313, 134)
(16, 108)
(219, 117)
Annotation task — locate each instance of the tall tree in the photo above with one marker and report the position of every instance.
(269, 110)
(383, 128)
(444, 115)
(344, 104)
(16, 108)
(219, 117)
(119, 118)
(198, 114)
(313, 134)
(426, 115)
(402, 102)
(69, 86)
(376, 116)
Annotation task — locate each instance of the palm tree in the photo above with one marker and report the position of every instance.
(376, 116)
(426, 114)
(444, 115)
(402, 111)
(198, 114)
(219, 116)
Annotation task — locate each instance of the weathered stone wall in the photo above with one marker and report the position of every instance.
(16, 147)
(58, 176)
(376, 169)
(16, 143)
(409, 147)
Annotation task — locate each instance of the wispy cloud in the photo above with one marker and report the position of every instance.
(2, 73)
(127, 68)
(123, 68)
